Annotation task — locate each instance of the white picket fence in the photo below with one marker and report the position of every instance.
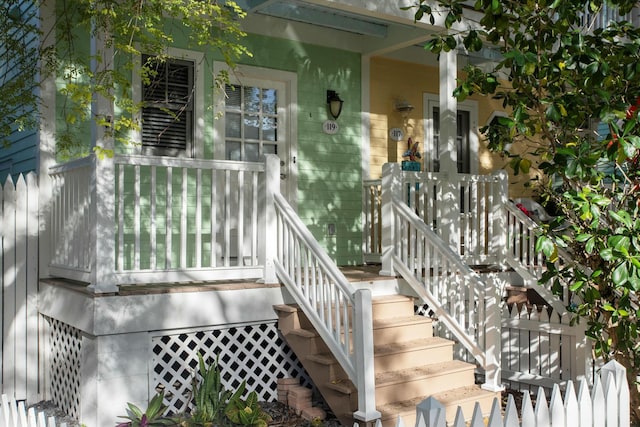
(19, 286)
(14, 414)
(605, 405)
(542, 348)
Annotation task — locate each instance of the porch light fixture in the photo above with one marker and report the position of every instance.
(403, 107)
(335, 104)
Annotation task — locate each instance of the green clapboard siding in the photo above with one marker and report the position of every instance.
(329, 166)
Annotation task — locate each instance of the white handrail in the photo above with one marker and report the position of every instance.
(340, 314)
(466, 305)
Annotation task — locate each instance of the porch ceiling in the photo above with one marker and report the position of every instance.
(383, 27)
(315, 14)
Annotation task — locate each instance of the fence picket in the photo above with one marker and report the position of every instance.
(528, 414)
(511, 412)
(541, 412)
(611, 399)
(571, 408)
(556, 408)
(477, 420)
(495, 417)
(597, 397)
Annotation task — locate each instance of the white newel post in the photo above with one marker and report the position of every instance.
(498, 232)
(363, 353)
(269, 242)
(492, 337)
(450, 205)
(391, 185)
(102, 187)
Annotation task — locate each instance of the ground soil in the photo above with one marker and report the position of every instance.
(281, 415)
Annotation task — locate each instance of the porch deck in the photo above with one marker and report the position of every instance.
(355, 274)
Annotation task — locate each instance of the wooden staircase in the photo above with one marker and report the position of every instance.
(410, 364)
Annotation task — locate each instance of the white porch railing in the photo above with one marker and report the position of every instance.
(135, 219)
(467, 306)
(434, 196)
(341, 314)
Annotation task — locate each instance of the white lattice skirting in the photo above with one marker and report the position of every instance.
(64, 366)
(254, 353)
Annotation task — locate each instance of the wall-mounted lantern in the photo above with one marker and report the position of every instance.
(334, 104)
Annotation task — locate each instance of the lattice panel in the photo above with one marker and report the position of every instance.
(66, 346)
(256, 354)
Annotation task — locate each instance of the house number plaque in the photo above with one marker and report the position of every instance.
(330, 127)
(396, 134)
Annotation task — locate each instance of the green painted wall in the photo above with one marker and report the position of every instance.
(329, 166)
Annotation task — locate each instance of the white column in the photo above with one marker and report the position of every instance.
(102, 184)
(365, 370)
(47, 131)
(450, 210)
(269, 243)
(448, 111)
(391, 185)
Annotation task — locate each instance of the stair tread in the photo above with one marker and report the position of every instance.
(385, 349)
(414, 374)
(399, 321)
(447, 398)
(391, 298)
(424, 343)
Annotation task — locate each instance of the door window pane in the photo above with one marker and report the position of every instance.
(233, 151)
(251, 122)
(251, 152)
(251, 127)
(232, 125)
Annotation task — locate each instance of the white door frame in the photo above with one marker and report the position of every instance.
(431, 100)
(287, 117)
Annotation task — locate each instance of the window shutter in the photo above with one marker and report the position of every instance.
(167, 113)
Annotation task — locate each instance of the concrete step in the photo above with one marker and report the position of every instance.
(411, 354)
(426, 380)
(399, 329)
(389, 306)
(460, 396)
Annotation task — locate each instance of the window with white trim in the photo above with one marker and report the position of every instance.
(251, 122)
(168, 107)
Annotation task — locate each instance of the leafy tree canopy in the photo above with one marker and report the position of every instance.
(571, 85)
(127, 29)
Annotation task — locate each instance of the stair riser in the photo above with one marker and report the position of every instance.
(387, 310)
(329, 372)
(423, 386)
(407, 332)
(288, 321)
(380, 310)
(413, 358)
(307, 345)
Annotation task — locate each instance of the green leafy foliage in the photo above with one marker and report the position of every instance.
(572, 93)
(127, 29)
(247, 412)
(151, 417)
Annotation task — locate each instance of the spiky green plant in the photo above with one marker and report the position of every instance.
(247, 412)
(210, 397)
